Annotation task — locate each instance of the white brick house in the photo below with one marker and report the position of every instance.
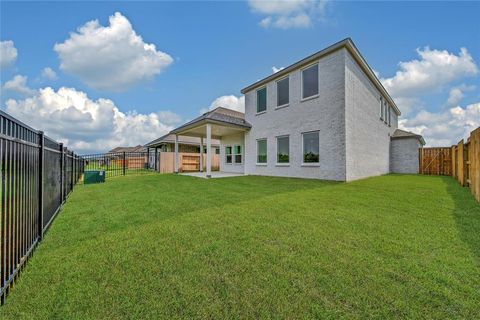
(326, 117)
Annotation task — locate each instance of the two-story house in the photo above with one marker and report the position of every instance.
(326, 116)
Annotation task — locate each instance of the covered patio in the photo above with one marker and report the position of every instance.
(215, 124)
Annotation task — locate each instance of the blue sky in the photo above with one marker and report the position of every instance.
(210, 50)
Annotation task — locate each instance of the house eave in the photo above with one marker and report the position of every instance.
(352, 49)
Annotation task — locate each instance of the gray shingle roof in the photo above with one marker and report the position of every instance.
(219, 114)
(402, 134)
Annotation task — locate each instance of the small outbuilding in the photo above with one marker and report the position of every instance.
(405, 151)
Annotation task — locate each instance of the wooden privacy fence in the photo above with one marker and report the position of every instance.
(436, 161)
(461, 161)
(37, 176)
(187, 162)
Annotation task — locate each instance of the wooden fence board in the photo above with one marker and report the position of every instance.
(436, 161)
(187, 162)
(461, 161)
(474, 163)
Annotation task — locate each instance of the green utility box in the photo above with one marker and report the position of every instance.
(93, 176)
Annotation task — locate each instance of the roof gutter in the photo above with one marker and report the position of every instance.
(346, 43)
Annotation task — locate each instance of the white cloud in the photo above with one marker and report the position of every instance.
(18, 84)
(112, 57)
(428, 75)
(285, 14)
(444, 128)
(229, 102)
(86, 125)
(8, 53)
(275, 69)
(456, 94)
(49, 74)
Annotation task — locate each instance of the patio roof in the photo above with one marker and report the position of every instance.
(220, 116)
(170, 138)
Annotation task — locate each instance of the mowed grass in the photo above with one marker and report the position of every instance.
(167, 246)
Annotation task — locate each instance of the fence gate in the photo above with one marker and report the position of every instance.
(436, 161)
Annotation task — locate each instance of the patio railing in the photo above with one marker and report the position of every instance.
(37, 176)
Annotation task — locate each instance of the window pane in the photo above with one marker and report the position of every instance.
(310, 81)
(283, 153)
(282, 92)
(238, 158)
(229, 159)
(262, 100)
(228, 154)
(310, 147)
(381, 108)
(262, 151)
(228, 150)
(238, 149)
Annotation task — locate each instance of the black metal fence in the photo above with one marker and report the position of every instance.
(118, 163)
(37, 176)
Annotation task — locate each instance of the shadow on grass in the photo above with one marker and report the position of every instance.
(128, 201)
(466, 213)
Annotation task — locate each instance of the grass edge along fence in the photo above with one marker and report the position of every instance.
(37, 174)
(461, 161)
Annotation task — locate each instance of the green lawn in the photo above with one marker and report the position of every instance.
(167, 246)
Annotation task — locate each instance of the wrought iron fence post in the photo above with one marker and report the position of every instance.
(72, 182)
(62, 177)
(41, 159)
(124, 164)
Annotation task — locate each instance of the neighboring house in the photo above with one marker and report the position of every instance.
(326, 117)
(138, 148)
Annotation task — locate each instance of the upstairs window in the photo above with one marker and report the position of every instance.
(262, 151)
(228, 154)
(311, 147)
(310, 81)
(389, 116)
(261, 100)
(237, 151)
(385, 112)
(282, 92)
(283, 152)
(381, 108)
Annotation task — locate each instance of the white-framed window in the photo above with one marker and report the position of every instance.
(283, 149)
(311, 147)
(389, 116)
(283, 95)
(381, 108)
(237, 153)
(262, 151)
(262, 100)
(385, 111)
(310, 81)
(228, 154)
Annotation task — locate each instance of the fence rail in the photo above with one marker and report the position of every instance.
(461, 161)
(37, 176)
(118, 163)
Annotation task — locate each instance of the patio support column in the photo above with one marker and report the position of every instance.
(176, 154)
(201, 154)
(209, 150)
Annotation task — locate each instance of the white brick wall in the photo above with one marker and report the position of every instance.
(404, 155)
(367, 137)
(325, 113)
